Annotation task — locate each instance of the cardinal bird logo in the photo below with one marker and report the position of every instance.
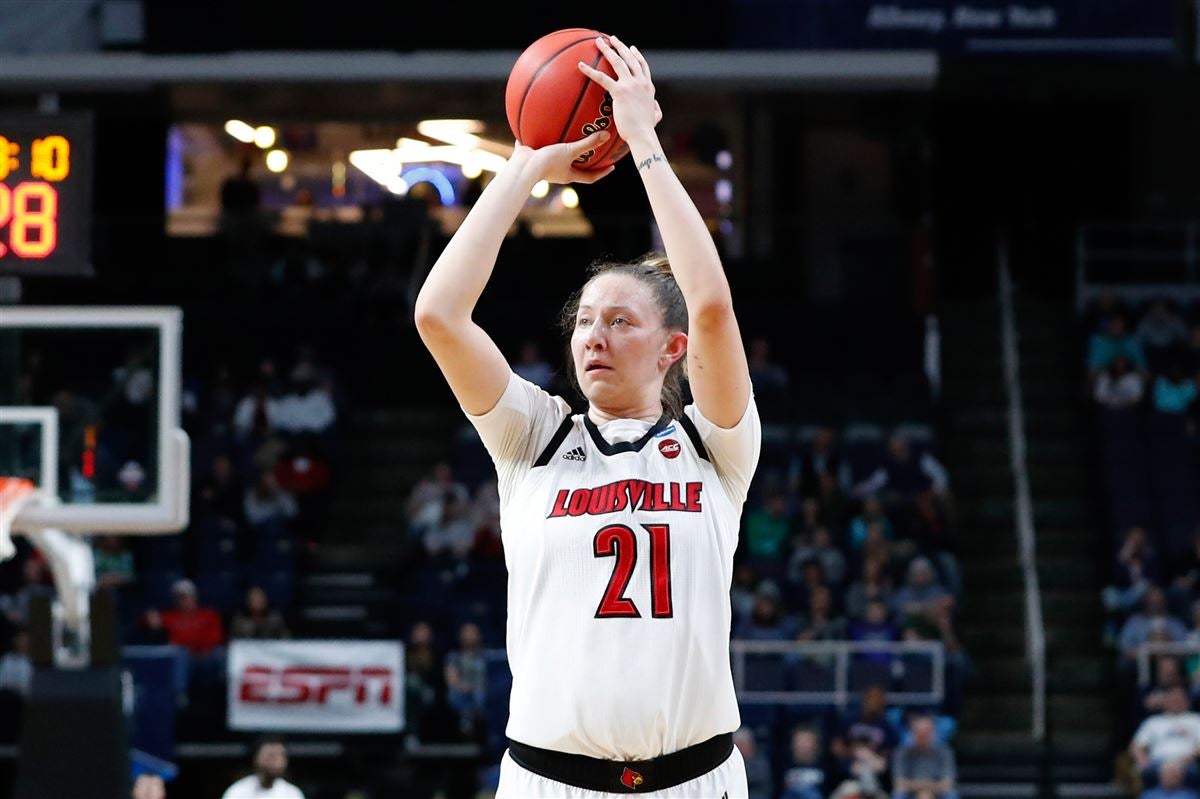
(631, 779)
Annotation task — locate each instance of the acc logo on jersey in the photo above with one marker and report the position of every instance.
(669, 448)
(631, 779)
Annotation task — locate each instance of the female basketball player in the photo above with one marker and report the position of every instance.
(619, 525)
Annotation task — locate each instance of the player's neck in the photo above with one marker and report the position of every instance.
(651, 413)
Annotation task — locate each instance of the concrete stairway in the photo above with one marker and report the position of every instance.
(995, 744)
(351, 587)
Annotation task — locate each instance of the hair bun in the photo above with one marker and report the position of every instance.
(656, 261)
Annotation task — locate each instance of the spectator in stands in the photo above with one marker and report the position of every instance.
(16, 669)
(466, 681)
(533, 367)
(872, 513)
(422, 679)
(939, 626)
(149, 786)
(1171, 783)
(191, 626)
(865, 741)
(113, 563)
(823, 459)
(257, 414)
(767, 621)
(1172, 736)
(924, 768)
(1152, 624)
(821, 623)
(258, 619)
(768, 530)
(1118, 386)
(220, 494)
(874, 626)
(1106, 346)
(267, 503)
(809, 520)
(485, 518)
(267, 782)
(820, 549)
(742, 593)
(902, 477)
(1136, 570)
(35, 582)
(1174, 390)
(1099, 313)
(1168, 675)
(429, 496)
(929, 528)
(1185, 569)
(449, 542)
(758, 768)
(875, 585)
(878, 547)
(1160, 331)
(809, 775)
(307, 407)
(921, 594)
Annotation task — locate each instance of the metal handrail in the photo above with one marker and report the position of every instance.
(1183, 252)
(841, 651)
(1035, 634)
(1147, 650)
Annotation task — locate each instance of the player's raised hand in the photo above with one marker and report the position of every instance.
(555, 162)
(635, 111)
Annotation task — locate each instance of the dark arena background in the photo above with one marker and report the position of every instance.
(963, 242)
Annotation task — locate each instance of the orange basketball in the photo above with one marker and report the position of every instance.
(549, 100)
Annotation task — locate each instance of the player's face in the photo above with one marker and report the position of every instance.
(619, 343)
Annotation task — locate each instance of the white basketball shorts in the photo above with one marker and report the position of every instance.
(726, 781)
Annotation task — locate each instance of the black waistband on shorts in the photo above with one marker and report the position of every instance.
(617, 776)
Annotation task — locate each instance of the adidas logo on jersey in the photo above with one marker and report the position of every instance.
(576, 454)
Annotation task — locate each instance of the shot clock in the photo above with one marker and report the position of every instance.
(45, 194)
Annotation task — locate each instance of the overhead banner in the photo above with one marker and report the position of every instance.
(1119, 28)
(316, 686)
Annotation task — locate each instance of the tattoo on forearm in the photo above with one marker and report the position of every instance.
(645, 163)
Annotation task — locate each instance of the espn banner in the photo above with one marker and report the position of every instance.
(316, 686)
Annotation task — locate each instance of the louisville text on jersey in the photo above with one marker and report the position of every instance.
(627, 494)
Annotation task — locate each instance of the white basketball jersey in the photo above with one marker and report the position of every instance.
(619, 542)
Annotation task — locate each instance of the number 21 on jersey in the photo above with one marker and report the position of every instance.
(619, 540)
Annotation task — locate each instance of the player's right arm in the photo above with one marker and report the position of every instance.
(471, 362)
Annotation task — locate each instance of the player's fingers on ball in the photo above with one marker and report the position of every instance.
(592, 177)
(590, 142)
(606, 82)
(641, 59)
(613, 57)
(628, 57)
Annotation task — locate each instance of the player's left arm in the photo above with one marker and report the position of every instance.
(717, 368)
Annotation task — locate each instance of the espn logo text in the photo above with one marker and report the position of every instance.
(314, 685)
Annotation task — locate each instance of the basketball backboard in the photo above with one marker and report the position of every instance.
(89, 409)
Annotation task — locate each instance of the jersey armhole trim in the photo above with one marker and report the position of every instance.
(689, 427)
(559, 436)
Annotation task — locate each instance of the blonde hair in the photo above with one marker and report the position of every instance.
(654, 270)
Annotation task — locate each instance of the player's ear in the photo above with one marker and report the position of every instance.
(675, 347)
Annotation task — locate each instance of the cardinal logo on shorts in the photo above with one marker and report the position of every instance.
(631, 779)
(669, 448)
